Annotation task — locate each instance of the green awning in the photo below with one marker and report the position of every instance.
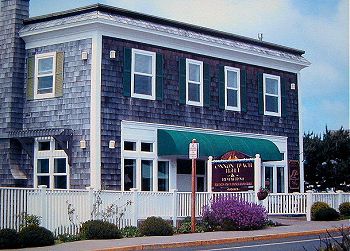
(175, 143)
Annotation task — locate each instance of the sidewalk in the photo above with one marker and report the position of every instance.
(296, 227)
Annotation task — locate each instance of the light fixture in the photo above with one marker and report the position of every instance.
(112, 54)
(82, 144)
(292, 86)
(84, 55)
(111, 144)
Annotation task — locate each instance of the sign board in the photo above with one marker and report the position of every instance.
(294, 176)
(193, 151)
(232, 175)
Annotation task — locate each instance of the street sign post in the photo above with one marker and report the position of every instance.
(193, 154)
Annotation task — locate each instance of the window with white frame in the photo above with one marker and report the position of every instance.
(272, 95)
(232, 89)
(50, 164)
(143, 71)
(194, 82)
(44, 84)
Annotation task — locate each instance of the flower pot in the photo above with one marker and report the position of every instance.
(262, 195)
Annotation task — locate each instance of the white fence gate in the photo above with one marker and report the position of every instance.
(62, 211)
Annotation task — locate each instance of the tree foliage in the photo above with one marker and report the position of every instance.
(327, 160)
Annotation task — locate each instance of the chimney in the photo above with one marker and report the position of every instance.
(12, 63)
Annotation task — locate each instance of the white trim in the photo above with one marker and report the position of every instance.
(36, 75)
(200, 83)
(95, 112)
(301, 136)
(238, 89)
(278, 78)
(82, 30)
(152, 75)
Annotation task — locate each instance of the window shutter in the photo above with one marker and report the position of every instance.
(159, 77)
(127, 73)
(221, 87)
(243, 79)
(59, 74)
(182, 81)
(283, 97)
(206, 85)
(30, 78)
(260, 94)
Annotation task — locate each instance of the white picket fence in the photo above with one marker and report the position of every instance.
(63, 211)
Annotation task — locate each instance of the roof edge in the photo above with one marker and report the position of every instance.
(160, 20)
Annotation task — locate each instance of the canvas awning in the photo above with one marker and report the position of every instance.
(175, 143)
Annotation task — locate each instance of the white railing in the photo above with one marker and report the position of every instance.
(63, 211)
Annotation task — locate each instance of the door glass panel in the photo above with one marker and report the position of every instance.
(163, 175)
(147, 175)
(129, 174)
(44, 180)
(61, 182)
(280, 179)
(269, 178)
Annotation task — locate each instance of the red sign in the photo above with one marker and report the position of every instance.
(294, 176)
(234, 175)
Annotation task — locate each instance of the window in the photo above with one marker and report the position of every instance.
(129, 146)
(146, 175)
(51, 165)
(272, 95)
(129, 174)
(45, 75)
(163, 175)
(143, 72)
(232, 89)
(146, 147)
(194, 82)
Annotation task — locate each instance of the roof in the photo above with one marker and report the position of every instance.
(162, 21)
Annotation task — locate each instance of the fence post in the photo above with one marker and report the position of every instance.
(174, 191)
(257, 173)
(308, 205)
(339, 199)
(134, 206)
(43, 205)
(90, 203)
(209, 173)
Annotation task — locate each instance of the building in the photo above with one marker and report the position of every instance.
(109, 98)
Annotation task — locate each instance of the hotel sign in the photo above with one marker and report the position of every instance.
(233, 175)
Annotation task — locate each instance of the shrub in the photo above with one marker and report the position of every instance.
(156, 226)
(316, 207)
(344, 208)
(68, 237)
(326, 214)
(8, 238)
(97, 229)
(185, 227)
(35, 236)
(130, 231)
(234, 214)
(29, 220)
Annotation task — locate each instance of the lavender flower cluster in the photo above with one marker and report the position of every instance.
(234, 214)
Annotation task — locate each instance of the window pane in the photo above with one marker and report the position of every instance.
(269, 178)
(43, 165)
(61, 182)
(44, 180)
(129, 174)
(280, 179)
(143, 85)
(45, 84)
(163, 176)
(200, 184)
(60, 165)
(232, 79)
(193, 92)
(147, 175)
(231, 97)
(271, 86)
(44, 146)
(271, 104)
(45, 65)
(147, 147)
(143, 63)
(129, 146)
(194, 72)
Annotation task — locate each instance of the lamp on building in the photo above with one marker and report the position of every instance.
(111, 144)
(84, 55)
(83, 144)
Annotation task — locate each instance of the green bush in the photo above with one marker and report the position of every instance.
(8, 238)
(316, 207)
(68, 237)
(185, 227)
(35, 236)
(29, 220)
(344, 208)
(326, 214)
(97, 230)
(130, 231)
(156, 226)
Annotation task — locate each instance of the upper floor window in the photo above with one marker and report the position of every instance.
(45, 75)
(232, 89)
(143, 80)
(272, 95)
(194, 82)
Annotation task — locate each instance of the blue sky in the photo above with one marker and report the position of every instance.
(320, 27)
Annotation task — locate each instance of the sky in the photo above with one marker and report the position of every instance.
(319, 27)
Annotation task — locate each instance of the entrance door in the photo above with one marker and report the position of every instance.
(184, 175)
(274, 178)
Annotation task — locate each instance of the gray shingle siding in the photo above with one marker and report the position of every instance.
(116, 107)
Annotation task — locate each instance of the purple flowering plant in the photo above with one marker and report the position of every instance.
(234, 214)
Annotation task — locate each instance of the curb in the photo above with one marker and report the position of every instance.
(218, 241)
